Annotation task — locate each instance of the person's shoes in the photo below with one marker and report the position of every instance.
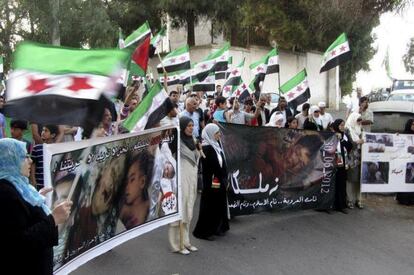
(184, 251)
(359, 205)
(344, 211)
(192, 248)
(350, 205)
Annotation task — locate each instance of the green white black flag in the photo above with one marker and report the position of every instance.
(337, 53)
(175, 61)
(296, 90)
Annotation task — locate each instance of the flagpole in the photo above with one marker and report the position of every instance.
(278, 80)
(165, 72)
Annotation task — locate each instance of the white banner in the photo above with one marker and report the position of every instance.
(387, 163)
(128, 185)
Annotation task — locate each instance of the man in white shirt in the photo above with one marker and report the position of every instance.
(325, 117)
(353, 104)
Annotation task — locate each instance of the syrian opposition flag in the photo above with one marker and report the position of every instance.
(172, 79)
(337, 53)
(137, 36)
(150, 111)
(258, 70)
(224, 74)
(188, 76)
(268, 64)
(242, 92)
(175, 61)
(215, 61)
(273, 62)
(296, 90)
(156, 41)
(54, 85)
(207, 85)
(234, 78)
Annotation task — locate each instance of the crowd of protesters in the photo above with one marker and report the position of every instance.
(203, 161)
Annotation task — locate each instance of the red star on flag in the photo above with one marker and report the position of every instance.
(342, 48)
(222, 57)
(37, 85)
(238, 93)
(182, 58)
(244, 86)
(235, 72)
(299, 89)
(204, 66)
(333, 53)
(290, 95)
(305, 83)
(227, 88)
(79, 83)
(259, 69)
(173, 60)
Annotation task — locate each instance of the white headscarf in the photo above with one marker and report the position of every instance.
(354, 128)
(312, 110)
(208, 139)
(274, 119)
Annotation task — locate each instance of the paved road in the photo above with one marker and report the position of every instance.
(377, 240)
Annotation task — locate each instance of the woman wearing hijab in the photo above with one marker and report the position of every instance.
(212, 219)
(179, 234)
(28, 228)
(276, 120)
(313, 122)
(353, 125)
(407, 198)
(343, 149)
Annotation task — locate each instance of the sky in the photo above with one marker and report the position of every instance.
(394, 31)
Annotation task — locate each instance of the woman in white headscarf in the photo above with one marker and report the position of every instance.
(179, 232)
(276, 120)
(212, 219)
(353, 125)
(313, 122)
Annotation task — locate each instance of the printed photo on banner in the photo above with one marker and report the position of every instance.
(375, 172)
(273, 168)
(387, 163)
(126, 183)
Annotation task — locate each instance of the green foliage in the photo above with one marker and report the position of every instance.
(300, 25)
(408, 57)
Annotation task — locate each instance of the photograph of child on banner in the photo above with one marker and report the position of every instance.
(124, 186)
(281, 166)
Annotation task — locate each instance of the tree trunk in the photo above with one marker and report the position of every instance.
(55, 37)
(234, 39)
(190, 29)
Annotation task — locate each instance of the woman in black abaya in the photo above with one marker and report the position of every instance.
(212, 219)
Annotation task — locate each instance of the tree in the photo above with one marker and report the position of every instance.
(408, 57)
(187, 13)
(305, 25)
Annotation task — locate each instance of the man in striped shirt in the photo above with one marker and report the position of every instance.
(48, 135)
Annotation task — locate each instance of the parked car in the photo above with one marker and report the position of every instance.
(401, 95)
(391, 115)
(401, 84)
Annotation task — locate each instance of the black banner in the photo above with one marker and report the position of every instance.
(271, 168)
